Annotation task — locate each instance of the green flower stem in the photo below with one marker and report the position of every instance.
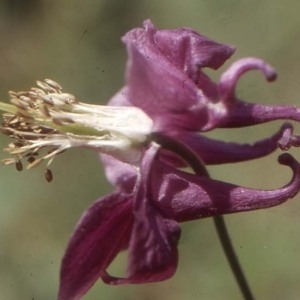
(199, 168)
(231, 256)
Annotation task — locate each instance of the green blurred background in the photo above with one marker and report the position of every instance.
(77, 43)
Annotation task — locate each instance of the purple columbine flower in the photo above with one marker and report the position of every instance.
(149, 130)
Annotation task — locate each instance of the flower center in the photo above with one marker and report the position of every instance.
(45, 117)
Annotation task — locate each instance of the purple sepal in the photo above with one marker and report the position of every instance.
(103, 231)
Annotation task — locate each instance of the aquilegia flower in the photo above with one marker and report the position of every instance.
(149, 130)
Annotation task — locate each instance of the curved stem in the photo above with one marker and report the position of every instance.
(228, 249)
(199, 168)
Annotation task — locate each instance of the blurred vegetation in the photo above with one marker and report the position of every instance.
(77, 43)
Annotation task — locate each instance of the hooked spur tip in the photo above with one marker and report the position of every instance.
(288, 160)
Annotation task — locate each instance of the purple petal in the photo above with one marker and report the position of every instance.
(246, 114)
(231, 76)
(182, 196)
(121, 175)
(191, 51)
(120, 99)
(153, 255)
(164, 76)
(153, 244)
(214, 152)
(288, 139)
(101, 234)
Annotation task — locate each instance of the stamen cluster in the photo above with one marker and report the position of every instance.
(33, 122)
(45, 117)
